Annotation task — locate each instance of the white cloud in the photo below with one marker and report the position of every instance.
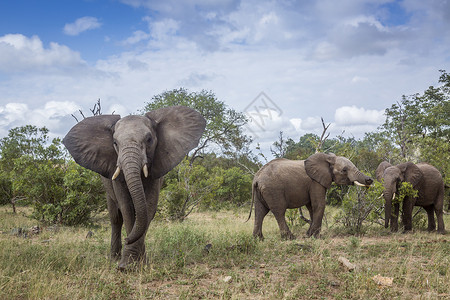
(51, 116)
(20, 53)
(352, 115)
(136, 37)
(80, 25)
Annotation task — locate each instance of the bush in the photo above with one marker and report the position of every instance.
(58, 192)
(360, 205)
(84, 195)
(5, 190)
(236, 186)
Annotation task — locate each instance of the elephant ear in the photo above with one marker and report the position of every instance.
(318, 166)
(178, 130)
(411, 172)
(380, 170)
(90, 142)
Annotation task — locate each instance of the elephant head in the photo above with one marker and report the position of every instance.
(143, 147)
(327, 168)
(392, 176)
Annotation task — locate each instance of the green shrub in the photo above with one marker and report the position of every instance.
(361, 205)
(5, 189)
(84, 195)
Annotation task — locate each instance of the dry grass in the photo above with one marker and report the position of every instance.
(61, 263)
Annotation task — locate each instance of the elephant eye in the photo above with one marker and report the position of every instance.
(344, 170)
(149, 139)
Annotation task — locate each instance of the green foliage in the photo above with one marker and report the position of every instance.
(224, 126)
(294, 219)
(336, 193)
(6, 193)
(209, 187)
(418, 116)
(41, 182)
(236, 186)
(361, 205)
(37, 171)
(186, 186)
(405, 189)
(84, 195)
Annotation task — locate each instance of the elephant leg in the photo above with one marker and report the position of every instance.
(431, 222)
(115, 217)
(317, 196)
(439, 209)
(309, 207)
(394, 218)
(284, 229)
(316, 224)
(260, 212)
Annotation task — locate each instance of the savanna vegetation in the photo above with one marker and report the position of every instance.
(55, 235)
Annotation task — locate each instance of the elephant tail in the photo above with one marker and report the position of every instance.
(255, 191)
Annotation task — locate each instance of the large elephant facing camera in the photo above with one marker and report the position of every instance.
(426, 179)
(132, 154)
(284, 183)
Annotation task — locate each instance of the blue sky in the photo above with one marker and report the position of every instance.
(345, 61)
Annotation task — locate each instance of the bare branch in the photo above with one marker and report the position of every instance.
(323, 138)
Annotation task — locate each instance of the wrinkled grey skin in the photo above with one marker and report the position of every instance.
(144, 148)
(284, 183)
(426, 179)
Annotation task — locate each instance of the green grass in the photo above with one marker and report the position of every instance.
(61, 263)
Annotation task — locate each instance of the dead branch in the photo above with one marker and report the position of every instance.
(323, 138)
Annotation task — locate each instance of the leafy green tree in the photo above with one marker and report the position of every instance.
(224, 125)
(21, 141)
(416, 117)
(235, 187)
(37, 171)
(189, 184)
(84, 195)
(185, 187)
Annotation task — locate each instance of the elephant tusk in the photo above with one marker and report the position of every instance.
(145, 170)
(360, 184)
(116, 173)
(393, 197)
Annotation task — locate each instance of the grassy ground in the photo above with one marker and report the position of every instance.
(62, 263)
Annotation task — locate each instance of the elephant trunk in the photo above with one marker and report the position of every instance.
(361, 179)
(132, 167)
(387, 207)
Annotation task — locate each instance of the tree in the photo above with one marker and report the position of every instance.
(281, 146)
(189, 184)
(28, 141)
(36, 170)
(416, 117)
(224, 126)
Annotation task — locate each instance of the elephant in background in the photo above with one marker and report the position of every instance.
(426, 179)
(284, 183)
(132, 154)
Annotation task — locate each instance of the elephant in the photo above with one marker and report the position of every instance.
(284, 183)
(426, 179)
(132, 154)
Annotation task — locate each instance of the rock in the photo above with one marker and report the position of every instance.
(383, 281)
(347, 264)
(227, 279)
